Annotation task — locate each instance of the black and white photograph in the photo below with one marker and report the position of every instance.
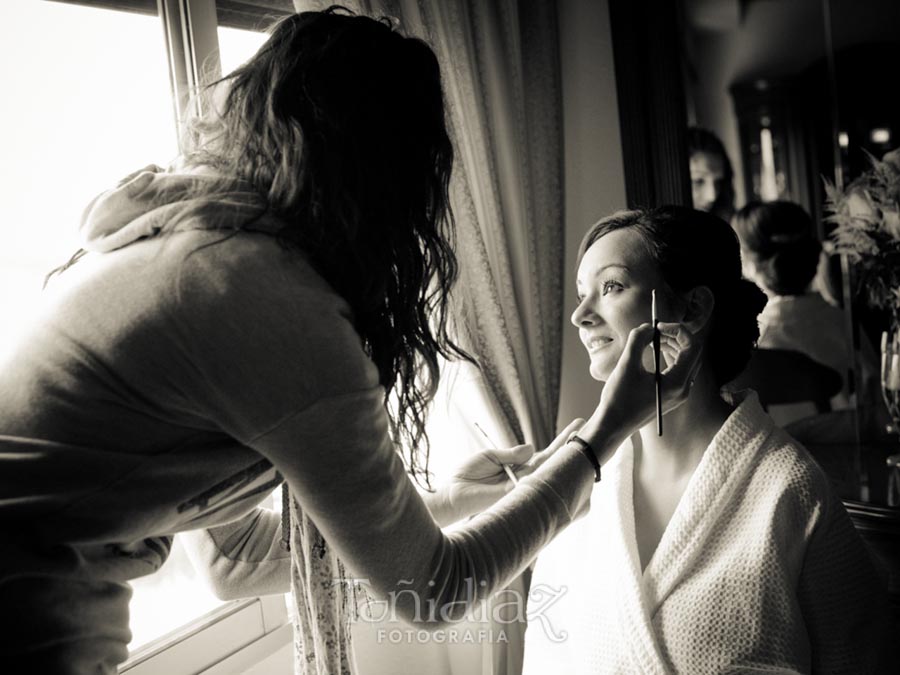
(450, 337)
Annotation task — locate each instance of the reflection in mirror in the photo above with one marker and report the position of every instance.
(801, 93)
(757, 78)
(865, 41)
(797, 92)
(744, 63)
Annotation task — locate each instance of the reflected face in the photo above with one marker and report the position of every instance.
(707, 179)
(615, 280)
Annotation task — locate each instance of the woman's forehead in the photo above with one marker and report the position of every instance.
(625, 247)
(706, 163)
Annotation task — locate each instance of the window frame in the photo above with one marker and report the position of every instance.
(192, 45)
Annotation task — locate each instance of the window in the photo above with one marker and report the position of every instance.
(242, 27)
(236, 45)
(84, 108)
(93, 91)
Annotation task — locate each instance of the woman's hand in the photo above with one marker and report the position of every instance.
(481, 480)
(628, 400)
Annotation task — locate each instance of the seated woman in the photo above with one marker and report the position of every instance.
(718, 546)
(780, 254)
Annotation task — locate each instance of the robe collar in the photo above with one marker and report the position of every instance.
(720, 474)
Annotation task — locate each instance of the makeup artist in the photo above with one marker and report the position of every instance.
(247, 316)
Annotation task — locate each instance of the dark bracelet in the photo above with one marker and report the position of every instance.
(588, 452)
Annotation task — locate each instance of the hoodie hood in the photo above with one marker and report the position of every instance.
(153, 200)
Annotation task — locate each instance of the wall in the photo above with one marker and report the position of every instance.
(594, 178)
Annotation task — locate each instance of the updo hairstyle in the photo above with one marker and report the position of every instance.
(779, 239)
(693, 248)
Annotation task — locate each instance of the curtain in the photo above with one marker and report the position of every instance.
(501, 76)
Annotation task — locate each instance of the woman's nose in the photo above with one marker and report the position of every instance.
(583, 316)
(710, 192)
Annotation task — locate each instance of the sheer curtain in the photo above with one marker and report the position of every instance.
(500, 64)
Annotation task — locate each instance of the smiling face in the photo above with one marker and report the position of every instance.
(615, 280)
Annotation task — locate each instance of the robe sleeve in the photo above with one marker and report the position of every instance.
(270, 355)
(353, 485)
(844, 637)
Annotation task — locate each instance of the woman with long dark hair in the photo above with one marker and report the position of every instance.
(272, 308)
(712, 177)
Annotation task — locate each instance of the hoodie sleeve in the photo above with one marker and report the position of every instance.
(242, 559)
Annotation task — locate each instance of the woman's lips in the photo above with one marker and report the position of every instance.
(597, 343)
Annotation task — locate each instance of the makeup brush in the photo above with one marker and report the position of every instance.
(656, 354)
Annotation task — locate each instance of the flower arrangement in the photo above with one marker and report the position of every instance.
(867, 218)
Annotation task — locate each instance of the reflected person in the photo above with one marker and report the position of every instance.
(781, 254)
(712, 176)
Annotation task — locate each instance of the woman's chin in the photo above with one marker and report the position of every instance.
(603, 362)
(600, 372)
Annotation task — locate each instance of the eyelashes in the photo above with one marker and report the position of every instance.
(610, 285)
(606, 287)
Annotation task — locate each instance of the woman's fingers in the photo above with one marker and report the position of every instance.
(518, 454)
(682, 366)
(639, 339)
(675, 334)
(150, 168)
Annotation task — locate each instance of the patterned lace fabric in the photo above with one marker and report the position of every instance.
(324, 602)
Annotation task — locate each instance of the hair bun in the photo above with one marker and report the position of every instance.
(750, 296)
(735, 328)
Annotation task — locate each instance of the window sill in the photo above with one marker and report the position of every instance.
(228, 639)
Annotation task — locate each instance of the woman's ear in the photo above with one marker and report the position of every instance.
(699, 304)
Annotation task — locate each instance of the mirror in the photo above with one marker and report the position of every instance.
(798, 93)
(751, 80)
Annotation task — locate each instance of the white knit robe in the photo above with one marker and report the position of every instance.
(759, 570)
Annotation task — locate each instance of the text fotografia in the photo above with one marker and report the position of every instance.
(501, 609)
(450, 636)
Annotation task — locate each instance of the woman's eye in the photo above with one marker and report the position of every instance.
(611, 285)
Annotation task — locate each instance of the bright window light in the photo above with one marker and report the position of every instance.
(768, 184)
(87, 101)
(236, 46)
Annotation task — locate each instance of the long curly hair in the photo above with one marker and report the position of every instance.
(338, 123)
(701, 140)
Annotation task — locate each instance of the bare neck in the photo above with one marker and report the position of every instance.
(687, 432)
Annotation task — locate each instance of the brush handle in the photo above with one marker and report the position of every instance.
(657, 378)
